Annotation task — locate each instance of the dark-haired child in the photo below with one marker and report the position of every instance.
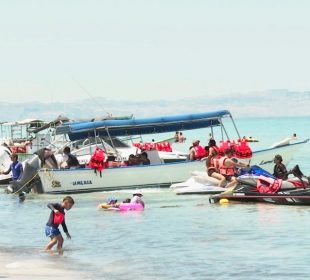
(55, 219)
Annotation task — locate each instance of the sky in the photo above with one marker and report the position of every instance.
(143, 50)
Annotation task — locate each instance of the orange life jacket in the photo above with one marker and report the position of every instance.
(200, 152)
(225, 170)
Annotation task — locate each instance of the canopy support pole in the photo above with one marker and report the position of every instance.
(223, 129)
(235, 125)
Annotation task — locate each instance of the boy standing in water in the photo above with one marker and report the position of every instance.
(51, 228)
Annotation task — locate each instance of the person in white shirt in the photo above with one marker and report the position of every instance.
(137, 198)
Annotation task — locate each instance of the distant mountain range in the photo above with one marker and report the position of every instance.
(267, 103)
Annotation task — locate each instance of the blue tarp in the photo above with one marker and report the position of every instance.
(80, 130)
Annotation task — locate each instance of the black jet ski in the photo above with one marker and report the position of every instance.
(265, 188)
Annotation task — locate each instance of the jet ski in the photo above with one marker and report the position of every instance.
(198, 183)
(255, 187)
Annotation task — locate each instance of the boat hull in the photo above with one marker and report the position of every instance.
(161, 175)
(86, 180)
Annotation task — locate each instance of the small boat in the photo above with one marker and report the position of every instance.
(250, 139)
(288, 197)
(294, 191)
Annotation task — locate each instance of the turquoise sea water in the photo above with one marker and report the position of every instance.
(176, 237)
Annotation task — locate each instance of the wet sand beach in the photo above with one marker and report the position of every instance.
(43, 266)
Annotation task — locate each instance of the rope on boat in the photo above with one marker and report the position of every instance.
(21, 188)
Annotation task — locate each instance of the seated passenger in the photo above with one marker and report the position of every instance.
(227, 168)
(279, 170)
(131, 160)
(138, 159)
(70, 160)
(197, 152)
(213, 148)
(127, 200)
(136, 198)
(212, 163)
(144, 159)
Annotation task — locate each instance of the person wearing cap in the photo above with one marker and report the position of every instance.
(137, 198)
(197, 152)
(279, 170)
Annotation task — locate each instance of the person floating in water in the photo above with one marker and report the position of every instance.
(16, 167)
(55, 219)
(21, 197)
(279, 170)
(137, 198)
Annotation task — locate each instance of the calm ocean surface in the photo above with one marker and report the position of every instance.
(176, 237)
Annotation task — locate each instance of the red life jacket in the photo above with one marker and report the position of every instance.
(243, 150)
(167, 147)
(200, 152)
(97, 160)
(58, 218)
(224, 145)
(268, 185)
(225, 170)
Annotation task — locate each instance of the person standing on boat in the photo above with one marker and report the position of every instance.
(279, 170)
(16, 167)
(176, 136)
(197, 152)
(227, 168)
(181, 138)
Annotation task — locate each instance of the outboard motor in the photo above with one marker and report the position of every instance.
(29, 176)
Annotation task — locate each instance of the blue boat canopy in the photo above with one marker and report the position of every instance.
(113, 128)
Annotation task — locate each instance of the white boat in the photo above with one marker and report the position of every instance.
(155, 174)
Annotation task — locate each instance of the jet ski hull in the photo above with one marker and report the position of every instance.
(293, 197)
